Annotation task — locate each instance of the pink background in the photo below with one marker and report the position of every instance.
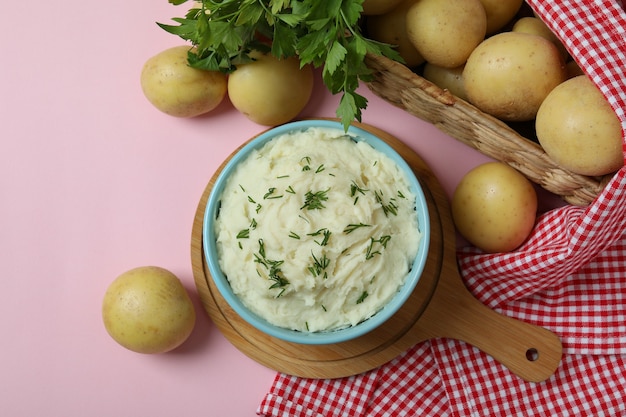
(95, 181)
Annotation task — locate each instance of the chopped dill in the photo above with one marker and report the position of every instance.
(362, 297)
(352, 227)
(270, 194)
(314, 200)
(354, 188)
(273, 268)
(307, 161)
(387, 208)
(370, 252)
(319, 265)
(324, 232)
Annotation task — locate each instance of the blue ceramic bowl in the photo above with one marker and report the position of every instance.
(325, 337)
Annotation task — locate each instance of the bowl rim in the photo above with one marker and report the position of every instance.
(323, 337)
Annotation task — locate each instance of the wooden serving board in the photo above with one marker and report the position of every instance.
(440, 306)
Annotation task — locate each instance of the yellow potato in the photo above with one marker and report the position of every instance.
(390, 28)
(536, 26)
(173, 87)
(376, 7)
(499, 13)
(577, 127)
(147, 310)
(270, 91)
(446, 32)
(450, 79)
(510, 74)
(494, 207)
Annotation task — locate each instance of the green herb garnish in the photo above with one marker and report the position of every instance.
(389, 208)
(324, 232)
(325, 34)
(273, 267)
(314, 200)
(319, 265)
(370, 252)
(362, 297)
(270, 194)
(354, 188)
(352, 227)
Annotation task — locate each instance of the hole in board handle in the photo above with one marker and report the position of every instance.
(532, 354)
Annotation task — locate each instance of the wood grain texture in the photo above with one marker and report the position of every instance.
(440, 306)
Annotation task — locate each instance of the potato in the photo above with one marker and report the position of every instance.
(577, 127)
(510, 74)
(270, 91)
(377, 7)
(536, 26)
(391, 28)
(446, 32)
(177, 89)
(499, 13)
(450, 79)
(494, 207)
(147, 310)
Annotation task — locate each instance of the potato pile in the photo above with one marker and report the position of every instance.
(500, 57)
(267, 90)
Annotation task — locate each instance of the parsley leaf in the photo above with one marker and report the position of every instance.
(325, 34)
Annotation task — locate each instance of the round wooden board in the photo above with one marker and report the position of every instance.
(364, 353)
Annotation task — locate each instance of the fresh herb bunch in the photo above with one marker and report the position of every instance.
(325, 34)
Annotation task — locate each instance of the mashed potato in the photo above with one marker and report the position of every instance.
(316, 231)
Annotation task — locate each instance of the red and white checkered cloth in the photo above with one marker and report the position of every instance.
(570, 277)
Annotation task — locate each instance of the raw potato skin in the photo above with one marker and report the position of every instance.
(270, 91)
(536, 26)
(147, 310)
(177, 89)
(499, 13)
(390, 28)
(510, 74)
(577, 127)
(446, 32)
(494, 207)
(450, 79)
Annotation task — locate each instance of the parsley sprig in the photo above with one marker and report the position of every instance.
(325, 34)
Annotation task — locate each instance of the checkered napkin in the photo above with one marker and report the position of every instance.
(570, 277)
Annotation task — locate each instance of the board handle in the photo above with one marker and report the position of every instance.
(531, 352)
